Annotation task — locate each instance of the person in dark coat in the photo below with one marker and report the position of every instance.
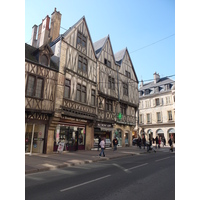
(164, 141)
(99, 142)
(139, 142)
(170, 144)
(115, 143)
(144, 141)
(156, 142)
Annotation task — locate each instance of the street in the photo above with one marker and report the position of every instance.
(140, 177)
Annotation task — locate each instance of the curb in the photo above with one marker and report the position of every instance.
(100, 159)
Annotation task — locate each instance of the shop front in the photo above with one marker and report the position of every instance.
(103, 131)
(34, 138)
(118, 135)
(71, 135)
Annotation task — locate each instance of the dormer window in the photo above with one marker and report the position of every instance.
(168, 86)
(147, 91)
(107, 62)
(141, 93)
(44, 60)
(157, 89)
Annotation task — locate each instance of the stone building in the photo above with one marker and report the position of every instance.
(157, 108)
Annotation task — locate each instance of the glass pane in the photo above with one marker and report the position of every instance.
(67, 92)
(83, 97)
(28, 137)
(30, 87)
(38, 92)
(78, 95)
(38, 140)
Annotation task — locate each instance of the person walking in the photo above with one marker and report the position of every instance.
(156, 142)
(99, 142)
(115, 143)
(102, 144)
(150, 147)
(139, 142)
(164, 141)
(170, 144)
(159, 142)
(144, 141)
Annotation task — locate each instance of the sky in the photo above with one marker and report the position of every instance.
(145, 27)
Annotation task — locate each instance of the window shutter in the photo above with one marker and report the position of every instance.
(154, 102)
(161, 117)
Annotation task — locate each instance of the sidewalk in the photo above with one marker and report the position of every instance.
(44, 162)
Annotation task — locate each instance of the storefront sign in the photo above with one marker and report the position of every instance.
(61, 146)
(104, 125)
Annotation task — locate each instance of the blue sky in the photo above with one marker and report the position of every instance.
(145, 27)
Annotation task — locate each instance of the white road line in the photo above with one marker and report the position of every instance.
(162, 159)
(75, 186)
(136, 166)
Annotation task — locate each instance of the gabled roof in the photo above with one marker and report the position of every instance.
(119, 56)
(71, 29)
(99, 45)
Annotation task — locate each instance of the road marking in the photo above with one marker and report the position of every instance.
(136, 166)
(75, 186)
(162, 159)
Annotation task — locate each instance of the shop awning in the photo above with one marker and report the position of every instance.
(159, 131)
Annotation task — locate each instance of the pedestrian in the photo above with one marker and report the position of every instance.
(102, 144)
(150, 146)
(144, 141)
(153, 140)
(159, 142)
(139, 142)
(164, 141)
(156, 142)
(170, 144)
(99, 142)
(115, 143)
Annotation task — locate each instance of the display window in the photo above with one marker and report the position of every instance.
(34, 138)
(72, 137)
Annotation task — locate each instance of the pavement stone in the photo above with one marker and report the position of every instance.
(44, 162)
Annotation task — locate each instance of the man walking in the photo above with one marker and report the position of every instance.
(115, 143)
(102, 144)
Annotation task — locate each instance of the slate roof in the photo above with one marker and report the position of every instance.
(31, 54)
(119, 56)
(98, 45)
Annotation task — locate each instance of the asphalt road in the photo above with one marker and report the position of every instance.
(142, 177)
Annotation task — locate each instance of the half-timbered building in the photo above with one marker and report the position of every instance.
(93, 87)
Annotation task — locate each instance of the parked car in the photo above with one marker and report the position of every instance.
(134, 142)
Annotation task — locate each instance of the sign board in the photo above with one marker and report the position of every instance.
(61, 146)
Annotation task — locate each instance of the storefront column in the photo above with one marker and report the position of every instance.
(32, 139)
(50, 141)
(89, 137)
(130, 139)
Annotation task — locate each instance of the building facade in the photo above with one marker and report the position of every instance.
(157, 108)
(88, 92)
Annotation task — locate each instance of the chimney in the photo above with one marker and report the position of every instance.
(141, 85)
(33, 38)
(43, 32)
(55, 24)
(156, 77)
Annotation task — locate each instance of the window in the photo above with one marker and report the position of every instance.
(81, 39)
(157, 102)
(67, 88)
(141, 93)
(34, 86)
(157, 89)
(128, 74)
(141, 119)
(147, 91)
(123, 108)
(107, 62)
(158, 116)
(82, 64)
(111, 83)
(168, 86)
(125, 89)
(44, 60)
(109, 106)
(169, 115)
(148, 118)
(93, 97)
(81, 93)
(147, 105)
(168, 100)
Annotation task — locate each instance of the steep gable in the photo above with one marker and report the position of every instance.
(124, 61)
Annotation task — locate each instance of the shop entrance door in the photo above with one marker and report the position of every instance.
(34, 138)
